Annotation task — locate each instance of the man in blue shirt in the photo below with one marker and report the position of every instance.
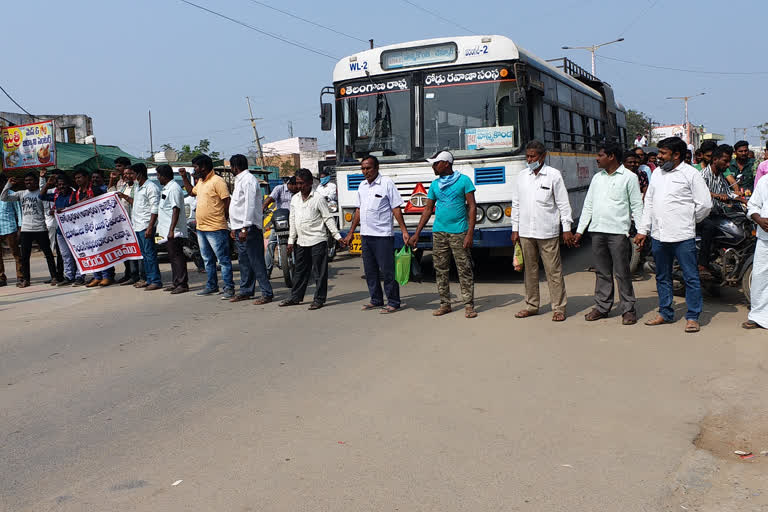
(10, 225)
(454, 195)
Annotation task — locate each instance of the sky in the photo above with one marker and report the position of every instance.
(115, 60)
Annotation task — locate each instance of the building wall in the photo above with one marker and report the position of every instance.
(69, 127)
(290, 146)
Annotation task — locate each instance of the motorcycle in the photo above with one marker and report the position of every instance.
(282, 227)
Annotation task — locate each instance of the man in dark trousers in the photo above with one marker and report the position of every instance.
(377, 202)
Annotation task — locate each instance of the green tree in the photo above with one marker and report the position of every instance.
(187, 152)
(638, 122)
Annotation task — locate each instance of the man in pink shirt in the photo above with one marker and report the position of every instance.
(762, 169)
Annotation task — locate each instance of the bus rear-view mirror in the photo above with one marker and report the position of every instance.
(326, 116)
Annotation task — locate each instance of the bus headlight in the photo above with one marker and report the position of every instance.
(495, 213)
(480, 215)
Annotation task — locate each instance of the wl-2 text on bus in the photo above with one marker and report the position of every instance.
(480, 97)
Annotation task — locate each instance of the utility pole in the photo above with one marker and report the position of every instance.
(290, 129)
(736, 137)
(256, 134)
(687, 124)
(592, 49)
(151, 146)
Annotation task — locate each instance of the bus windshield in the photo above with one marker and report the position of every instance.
(377, 119)
(469, 112)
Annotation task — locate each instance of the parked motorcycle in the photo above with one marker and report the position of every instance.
(282, 227)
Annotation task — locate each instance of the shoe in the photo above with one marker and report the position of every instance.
(262, 300)
(289, 302)
(93, 283)
(140, 284)
(23, 284)
(179, 289)
(594, 315)
(315, 305)
(444, 309)
(55, 281)
(79, 282)
(169, 288)
(240, 298)
(659, 320)
(65, 282)
(48, 281)
(152, 287)
(692, 326)
(129, 282)
(124, 279)
(106, 282)
(3, 283)
(228, 294)
(629, 318)
(207, 291)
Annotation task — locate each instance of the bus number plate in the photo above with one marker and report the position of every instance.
(356, 247)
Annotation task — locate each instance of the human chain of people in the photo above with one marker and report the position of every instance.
(670, 204)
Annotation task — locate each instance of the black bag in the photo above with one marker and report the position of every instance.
(416, 274)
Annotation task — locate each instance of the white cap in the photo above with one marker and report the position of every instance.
(441, 156)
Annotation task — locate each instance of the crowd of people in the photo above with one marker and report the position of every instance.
(663, 197)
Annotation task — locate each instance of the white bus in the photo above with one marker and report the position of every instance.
(480, 97)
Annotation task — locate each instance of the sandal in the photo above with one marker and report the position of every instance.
(469, 312)
(289, 302)
(558, 317)
(442, 310)
(388, 309)
(369, 307)
(749, 324)
(525, 313)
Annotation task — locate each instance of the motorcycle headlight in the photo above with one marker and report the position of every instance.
(480, 215)
(495, 213)
(281, 224)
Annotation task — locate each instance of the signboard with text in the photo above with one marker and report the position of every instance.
(28, 145)
(99, 233)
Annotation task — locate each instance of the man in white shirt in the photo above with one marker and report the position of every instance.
(245, 222)
(640, 141)
(172, 225)
(377, 201)
(122, 180)
(677, 199)
(144, 207)
(327, 188)
(539, 207)
(309, 218)
(758, 212)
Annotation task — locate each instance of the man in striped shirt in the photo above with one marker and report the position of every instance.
(718, 188)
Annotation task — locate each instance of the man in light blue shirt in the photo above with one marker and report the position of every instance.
(613, 199)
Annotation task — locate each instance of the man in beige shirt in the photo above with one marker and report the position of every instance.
(212, 231)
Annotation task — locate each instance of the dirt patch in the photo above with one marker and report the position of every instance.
(737, 429)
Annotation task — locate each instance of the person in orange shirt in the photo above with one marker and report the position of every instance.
(212, 230)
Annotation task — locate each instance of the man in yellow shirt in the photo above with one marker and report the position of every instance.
(212, 231)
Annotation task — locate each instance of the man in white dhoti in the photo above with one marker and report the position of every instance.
(758, 212)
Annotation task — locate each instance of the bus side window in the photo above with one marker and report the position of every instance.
(565, 129)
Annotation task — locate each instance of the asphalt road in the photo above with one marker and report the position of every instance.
(110, 396)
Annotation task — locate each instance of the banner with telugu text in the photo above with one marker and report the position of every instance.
(99, 233)
(28, 145)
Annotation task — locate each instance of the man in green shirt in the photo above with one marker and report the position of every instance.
(612, 201)
(743, 165)
(454, 195)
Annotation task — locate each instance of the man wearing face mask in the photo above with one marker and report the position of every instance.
(677, 199)
(327, 188)
(539, 207)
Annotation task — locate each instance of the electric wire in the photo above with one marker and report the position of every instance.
(16, 102)
(260, 31)
(439, 16)
(682, 70)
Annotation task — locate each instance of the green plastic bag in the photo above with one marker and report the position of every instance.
(403, 265)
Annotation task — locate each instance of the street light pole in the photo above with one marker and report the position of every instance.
(685, 101)
(592, 49)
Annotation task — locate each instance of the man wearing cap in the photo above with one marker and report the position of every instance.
(539, 207)
(453, 194)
